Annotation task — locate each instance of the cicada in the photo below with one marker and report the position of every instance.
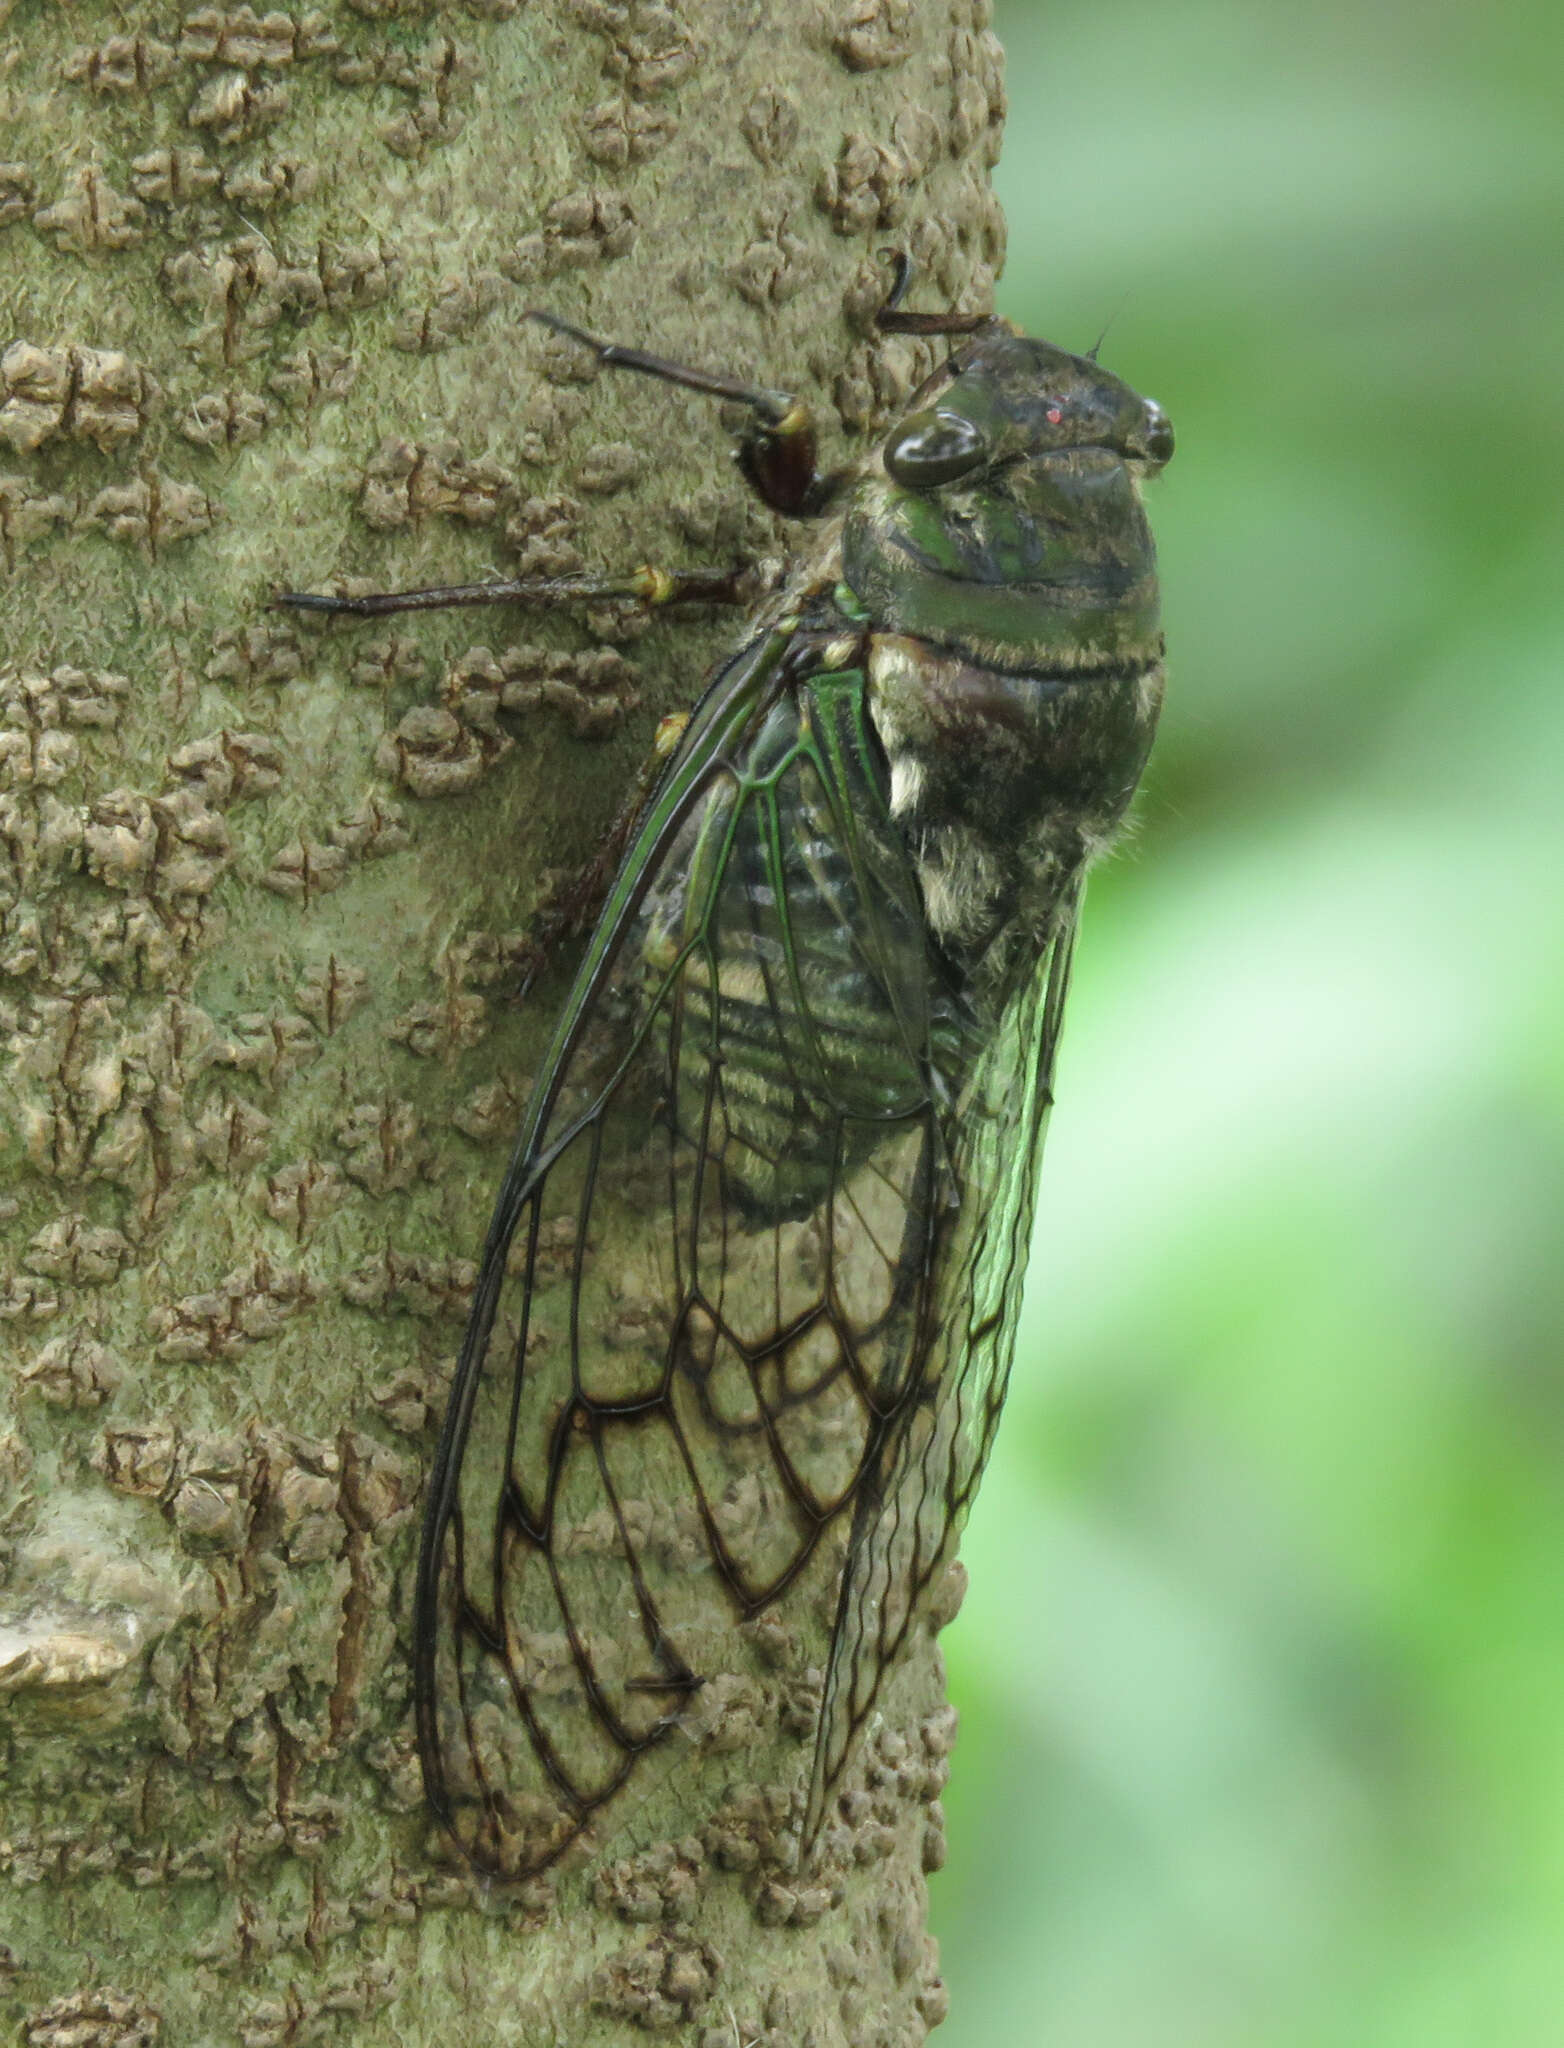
(748, 1301)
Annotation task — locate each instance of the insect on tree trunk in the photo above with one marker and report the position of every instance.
(264, 893)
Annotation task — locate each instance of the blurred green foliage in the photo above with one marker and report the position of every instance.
(1262, 1669)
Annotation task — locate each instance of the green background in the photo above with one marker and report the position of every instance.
(1262, 1670)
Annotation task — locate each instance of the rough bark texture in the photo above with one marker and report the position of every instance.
(262, 890)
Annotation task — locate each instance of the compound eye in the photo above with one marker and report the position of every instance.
(932, 448)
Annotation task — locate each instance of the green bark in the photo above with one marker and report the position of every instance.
(263, 886)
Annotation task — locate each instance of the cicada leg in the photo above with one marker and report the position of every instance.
(890, 319)
(778, 449)
(646, 585)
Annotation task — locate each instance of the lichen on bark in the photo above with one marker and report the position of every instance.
(263, 889)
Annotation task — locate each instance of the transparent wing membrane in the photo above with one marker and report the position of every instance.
(912, 1505)
(751, 1278)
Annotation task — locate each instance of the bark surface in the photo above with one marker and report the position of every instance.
(264, 886)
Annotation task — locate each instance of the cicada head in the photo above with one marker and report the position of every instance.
(1003, 518)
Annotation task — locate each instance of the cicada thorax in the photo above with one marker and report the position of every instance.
(1015, 672)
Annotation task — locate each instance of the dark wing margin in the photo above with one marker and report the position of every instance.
(912, 1503)
(741, 1100)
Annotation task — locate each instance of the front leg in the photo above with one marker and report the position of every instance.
(778, 450)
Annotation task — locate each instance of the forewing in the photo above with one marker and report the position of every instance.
(709, 1282)
(910, 1508)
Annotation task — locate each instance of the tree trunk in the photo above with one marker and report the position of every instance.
(262, 892)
